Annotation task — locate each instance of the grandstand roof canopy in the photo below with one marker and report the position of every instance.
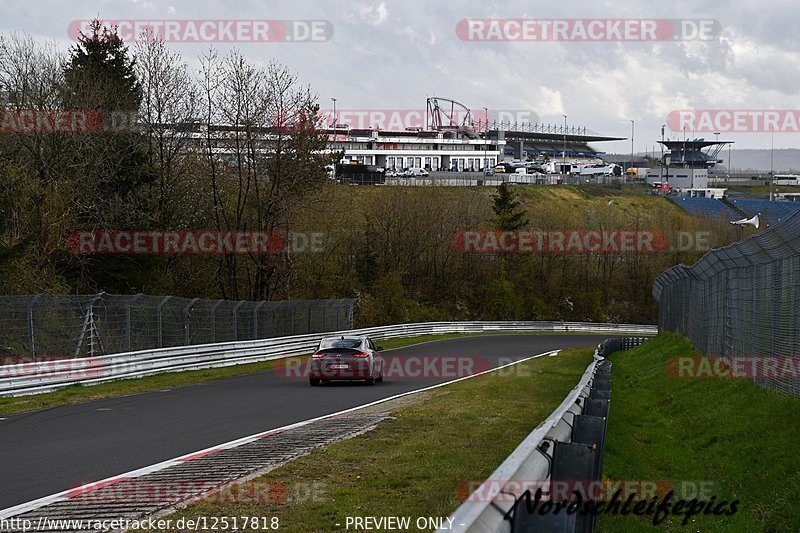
(555, 137)
(695, 144)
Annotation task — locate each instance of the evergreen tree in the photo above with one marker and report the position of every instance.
(509, 215)
(100, 75)
(111, 168)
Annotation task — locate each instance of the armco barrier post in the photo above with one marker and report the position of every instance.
(159, 317)
(128, 304)
(214, 320)
(235, 319)
(186, 315)
(29, 319)
(256, 308)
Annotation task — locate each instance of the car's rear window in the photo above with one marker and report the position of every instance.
(328, 344)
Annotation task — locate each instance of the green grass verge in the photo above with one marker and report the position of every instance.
(728, 432)
(418, 464)
(79, 394)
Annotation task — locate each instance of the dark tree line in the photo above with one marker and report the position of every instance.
(231, 147)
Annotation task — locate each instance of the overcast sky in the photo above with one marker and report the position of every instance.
(391, 54)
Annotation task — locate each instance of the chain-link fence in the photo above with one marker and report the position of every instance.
(57, 326)
(742, 301)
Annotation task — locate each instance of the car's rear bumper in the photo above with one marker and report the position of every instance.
(354, 372)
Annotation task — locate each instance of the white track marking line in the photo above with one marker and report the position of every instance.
(65, 495)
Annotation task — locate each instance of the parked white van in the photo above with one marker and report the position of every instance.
(416, 172)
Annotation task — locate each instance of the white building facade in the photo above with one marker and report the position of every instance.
(417, 149)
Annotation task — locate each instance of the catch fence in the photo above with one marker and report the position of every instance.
(58, 326)
(742, 301)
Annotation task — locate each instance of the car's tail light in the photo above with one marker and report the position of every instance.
(318, 355)
(361, 354)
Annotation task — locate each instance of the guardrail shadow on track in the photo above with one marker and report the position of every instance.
(561, 457)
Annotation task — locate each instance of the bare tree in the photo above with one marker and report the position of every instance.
(169, 115)
(263, 157)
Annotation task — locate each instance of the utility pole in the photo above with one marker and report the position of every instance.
(334, 141)
(662, 151)
(564, 159)
(771, 163)
(632, 174)
(485, 142)
(683, 154)
(666, 159)
(729, 163)
(716, 139)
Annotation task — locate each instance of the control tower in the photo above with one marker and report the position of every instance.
(685, 164)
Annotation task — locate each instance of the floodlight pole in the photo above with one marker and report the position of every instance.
(771, 164)
(729, 163)
(334, 117)
(666, 157)
(632, 133)
(564, 158)
(485, 142)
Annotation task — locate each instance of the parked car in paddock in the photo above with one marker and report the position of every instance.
(346, 358)
(504, 168)
(416, 173)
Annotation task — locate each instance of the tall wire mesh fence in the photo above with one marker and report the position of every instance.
(61, 326)
(742, 301)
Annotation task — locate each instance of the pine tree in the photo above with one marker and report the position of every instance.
(100, 75)
(509, 214)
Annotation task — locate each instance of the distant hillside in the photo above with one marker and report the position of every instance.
(746, 160)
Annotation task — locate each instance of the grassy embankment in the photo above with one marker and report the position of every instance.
(722, 433)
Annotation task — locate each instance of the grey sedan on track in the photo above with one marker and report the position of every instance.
(346, 358)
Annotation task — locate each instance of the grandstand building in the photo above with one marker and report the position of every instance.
(453, 139)
(431, 150)
(538, 142)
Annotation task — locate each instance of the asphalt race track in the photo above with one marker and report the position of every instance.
(48, 451)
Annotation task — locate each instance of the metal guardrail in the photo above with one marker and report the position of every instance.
(46, 376)
(567, 447)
